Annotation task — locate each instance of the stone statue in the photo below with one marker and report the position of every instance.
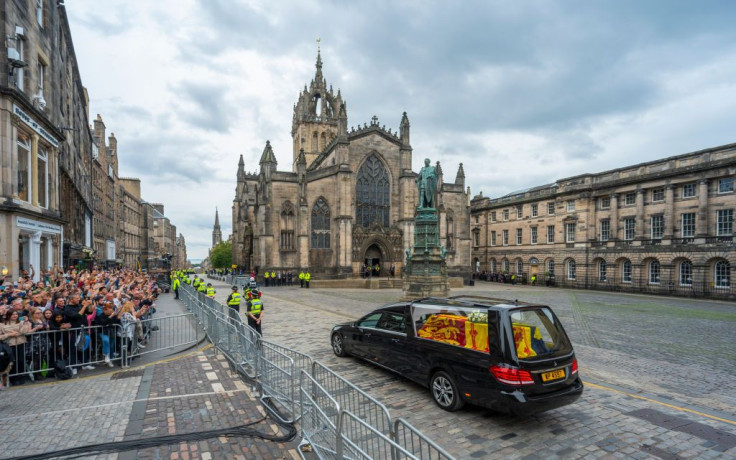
(427, 185)
(408, 256)
(443, 252)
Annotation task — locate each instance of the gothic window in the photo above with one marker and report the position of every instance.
(450, 232)
(314, 141)
(373, 193)
(287, 227)
(322, 142)
(321, 225)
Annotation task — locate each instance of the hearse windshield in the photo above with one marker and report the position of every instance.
(538, 334)
(461, 326)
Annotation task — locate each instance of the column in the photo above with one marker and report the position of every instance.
(640, 234)
(34, 255)
(614, 216)
(592, 220)
(669, 211)
(701, 222)
(34, 171)
(49, 252)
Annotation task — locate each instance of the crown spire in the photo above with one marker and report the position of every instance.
(319, 77)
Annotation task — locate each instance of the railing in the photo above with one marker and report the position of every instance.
(338, 419)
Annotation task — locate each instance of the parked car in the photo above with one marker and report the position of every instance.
(504, 355)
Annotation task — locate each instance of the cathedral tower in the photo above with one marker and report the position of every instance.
(216, 232)
(316, 117)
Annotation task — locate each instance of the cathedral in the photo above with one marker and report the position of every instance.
(348, 200)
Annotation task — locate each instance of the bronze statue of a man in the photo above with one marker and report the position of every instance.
(427, 184)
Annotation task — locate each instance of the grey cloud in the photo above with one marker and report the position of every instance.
(210, 108)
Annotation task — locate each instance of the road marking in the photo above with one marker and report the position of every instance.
(671, 406)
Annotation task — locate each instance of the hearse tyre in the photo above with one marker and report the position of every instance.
(338, 345)
(444, 392)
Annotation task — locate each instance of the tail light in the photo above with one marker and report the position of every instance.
(511, 375)
(574, 366)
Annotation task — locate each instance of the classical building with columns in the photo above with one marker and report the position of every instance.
(348, 200)
(664, 226)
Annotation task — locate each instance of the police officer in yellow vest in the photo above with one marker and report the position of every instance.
(307, 277)
(210, 290)
(233, 302)
(301, 278)
(195, 283)
(265, 277)
(201, 287)
(175, 286)
(255, 313)
(273, 278)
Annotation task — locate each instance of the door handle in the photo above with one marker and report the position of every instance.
(367, 334)
(395, 340)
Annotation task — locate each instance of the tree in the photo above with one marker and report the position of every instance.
(222, 255)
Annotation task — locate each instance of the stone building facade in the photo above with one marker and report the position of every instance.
(664, 226)
(131, 222)
(104, 195)
(348, 200)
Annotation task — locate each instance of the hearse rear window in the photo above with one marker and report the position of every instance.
(459, 326)
(537, 334)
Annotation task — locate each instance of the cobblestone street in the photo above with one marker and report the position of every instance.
(655, 386)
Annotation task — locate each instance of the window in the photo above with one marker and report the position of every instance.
(519, 267)
(570, 233)
(321, 225)
(518, 236)
(476, 238)
(657, 227)
(551, 266)
(42, 178)
(23, 143)
(493, 238)
(535, 210)
(373, 192)
(571, 269)
(534, 235)
(724, 222)
(477, 218)
(370, 320)
(450, 225)
(519, 211)
(602, 270)
(688, 191)
(505, 237)
(287, 227)
(604, 202)
(493, 216)
(626, 271)
(725, 185)
(605, 229)
(654, 272)
(39, 12)
(550, 208)
(20, 72)
(688, 225)
(493, 266)
(550, 234)
(629, 228)
(40, 76)
(630, 199)
(505, 214)
(505, 265)
(570, 205)
(394, 322)
(686, 273)
(658, 194)
(722, 272)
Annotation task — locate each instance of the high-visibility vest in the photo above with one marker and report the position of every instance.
(307, 276)
(265, 275)
(256, 305)
(210, 291)
(301, 275)
(176, 284)
(273, 274)
(187, 280)
(234, 300)
(201, 287)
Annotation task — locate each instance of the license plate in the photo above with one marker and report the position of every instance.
(554, 375)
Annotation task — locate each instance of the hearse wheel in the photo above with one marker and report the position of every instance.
(445, 392)
(338, 346)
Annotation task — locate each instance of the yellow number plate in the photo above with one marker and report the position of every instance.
(554, 375)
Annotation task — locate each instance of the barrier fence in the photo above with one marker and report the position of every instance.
(337, 419)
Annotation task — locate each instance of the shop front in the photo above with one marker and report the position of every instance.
(38, 246)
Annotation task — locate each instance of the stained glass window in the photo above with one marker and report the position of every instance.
(321, 225)
(373, 193)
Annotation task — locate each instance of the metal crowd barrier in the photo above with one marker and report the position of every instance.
(160, 333)
(338, 419)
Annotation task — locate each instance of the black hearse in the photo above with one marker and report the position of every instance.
(504, 355)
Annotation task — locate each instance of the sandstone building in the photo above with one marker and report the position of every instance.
(664, 226)
(348, 200)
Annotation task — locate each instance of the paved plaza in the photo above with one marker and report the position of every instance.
(659, 376)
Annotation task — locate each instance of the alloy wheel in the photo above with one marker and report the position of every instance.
(442, 391)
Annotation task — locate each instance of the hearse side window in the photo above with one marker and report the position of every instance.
(537, 334)
(458, 326)
(370, 320)
(394, 322)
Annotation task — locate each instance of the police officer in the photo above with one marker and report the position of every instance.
(201, 287)
(175, 286)
(255, 312)
(265, 278)
(233, 302)
(210, 290)
(301, 279)
(307, 277)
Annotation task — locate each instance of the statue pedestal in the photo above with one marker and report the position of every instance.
(425, 273)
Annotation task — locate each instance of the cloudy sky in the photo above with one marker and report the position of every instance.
(523, 92)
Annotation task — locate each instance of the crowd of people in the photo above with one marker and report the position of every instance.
(69, 319)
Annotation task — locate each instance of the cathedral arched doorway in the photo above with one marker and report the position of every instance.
(373, 260)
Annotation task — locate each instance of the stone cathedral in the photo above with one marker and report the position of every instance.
(348, 200)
